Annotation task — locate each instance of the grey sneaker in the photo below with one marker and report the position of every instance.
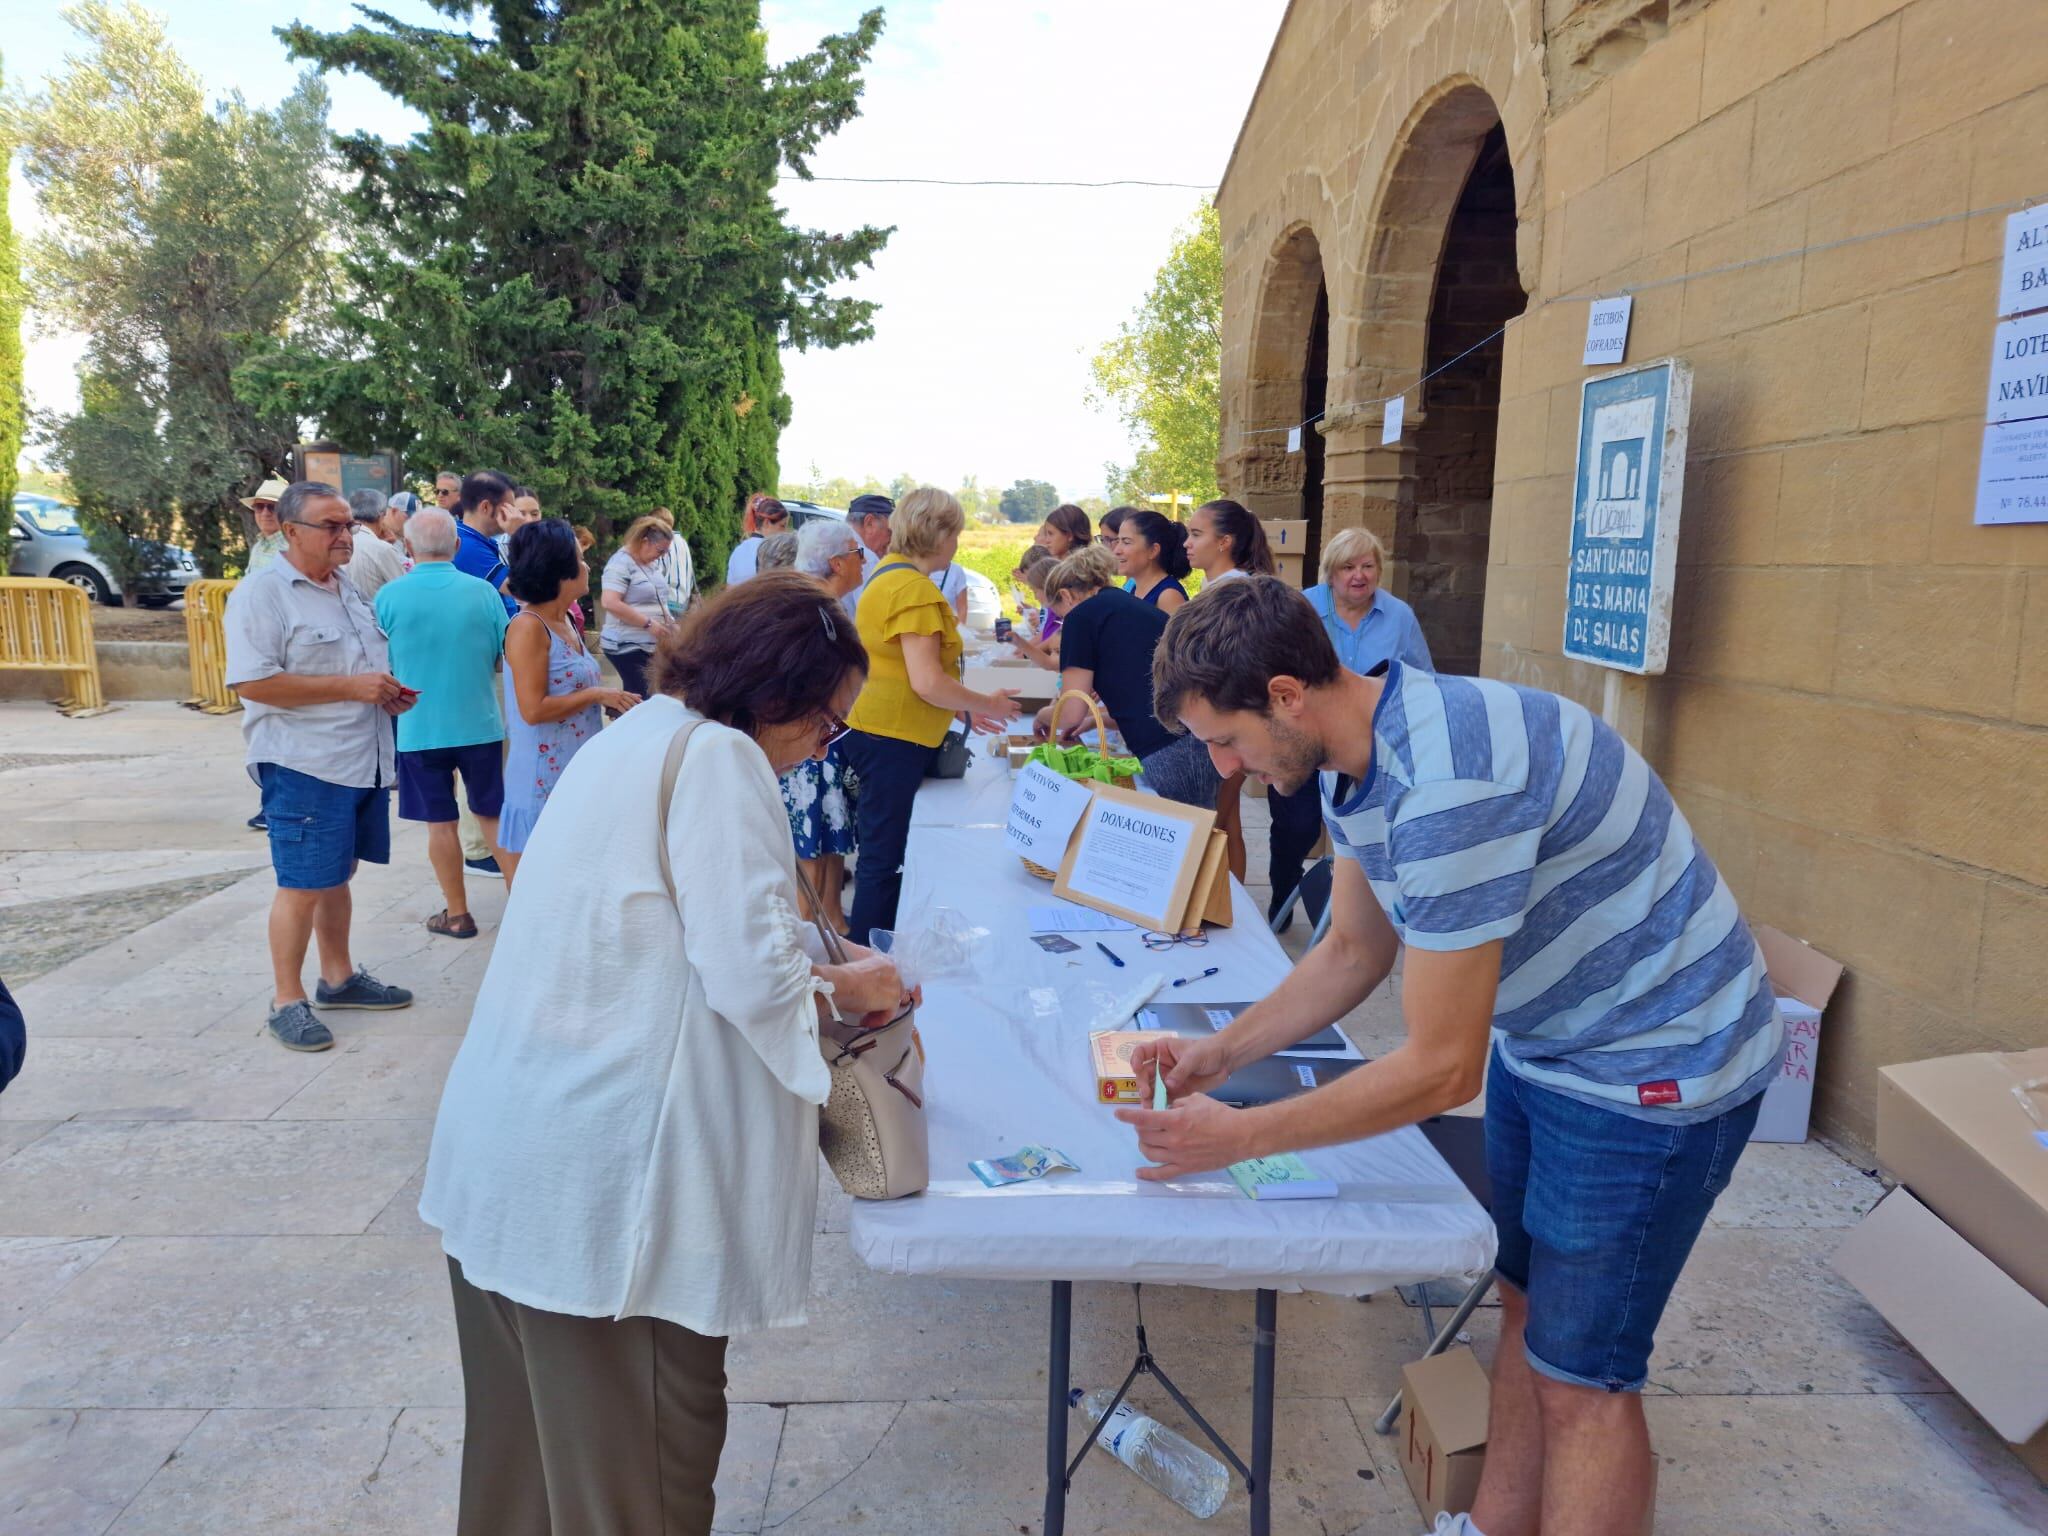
(362, 990)
(298, 1028)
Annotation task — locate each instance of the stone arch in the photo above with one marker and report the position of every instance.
(1288, 379)
(1441, 275)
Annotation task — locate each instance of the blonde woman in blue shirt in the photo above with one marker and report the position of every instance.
(1367, 623)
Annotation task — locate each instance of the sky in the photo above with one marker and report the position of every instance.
(992, 298)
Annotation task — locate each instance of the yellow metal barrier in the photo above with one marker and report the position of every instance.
(46, 626)
(206, 602)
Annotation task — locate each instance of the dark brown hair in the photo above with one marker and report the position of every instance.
(1226, 648)
(1113, 519)
(1166, 536)
(1071, 521)
(1245, 535)
(769, 651)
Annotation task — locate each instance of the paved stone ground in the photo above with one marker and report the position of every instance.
(220, 1314)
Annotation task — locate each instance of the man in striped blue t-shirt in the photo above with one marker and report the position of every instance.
(1562, 922)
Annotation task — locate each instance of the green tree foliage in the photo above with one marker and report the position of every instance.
(577, 272)
(12, 405)
(182, 239)
(1028, 501)
(1160, 371)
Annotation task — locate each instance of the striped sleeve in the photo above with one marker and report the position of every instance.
(1464, 853)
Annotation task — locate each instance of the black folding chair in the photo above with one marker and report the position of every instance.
(1312, 895)
(1461, 1141)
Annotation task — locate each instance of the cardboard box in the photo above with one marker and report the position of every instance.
(1965, 1316)
(1288, 569)
(1110, 1054)
(1954, 1132)
(1032, 685)
(1286, 535)
(1804, 980)
(1443, 1431)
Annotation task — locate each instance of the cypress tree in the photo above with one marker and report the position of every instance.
(577, 272)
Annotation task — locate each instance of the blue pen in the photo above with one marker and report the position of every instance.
(1109, 952)
(1203, 976)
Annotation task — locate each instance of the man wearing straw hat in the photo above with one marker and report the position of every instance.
(269, 542)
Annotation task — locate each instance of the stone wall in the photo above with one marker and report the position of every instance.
(1855, 715)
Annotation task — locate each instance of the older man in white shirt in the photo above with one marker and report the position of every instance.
(306, 655)
(376, 559)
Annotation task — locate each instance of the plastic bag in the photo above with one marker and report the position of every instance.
(937, 944)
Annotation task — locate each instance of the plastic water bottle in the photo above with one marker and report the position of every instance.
(1166, 1459)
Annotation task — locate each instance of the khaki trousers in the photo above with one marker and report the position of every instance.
(579, 1426)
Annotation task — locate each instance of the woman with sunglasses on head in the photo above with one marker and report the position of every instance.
(764, 515)
(624, 1166)
(638, 599)
(1151, 551)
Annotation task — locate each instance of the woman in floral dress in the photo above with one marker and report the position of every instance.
(554, 700)
(818, 792)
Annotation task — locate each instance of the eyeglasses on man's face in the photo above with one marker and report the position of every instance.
(329, 526)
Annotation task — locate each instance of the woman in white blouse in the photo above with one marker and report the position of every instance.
(624, 1169)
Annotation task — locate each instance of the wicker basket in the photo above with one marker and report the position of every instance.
(1121, 780)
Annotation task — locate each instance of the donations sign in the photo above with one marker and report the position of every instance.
(1625, 504)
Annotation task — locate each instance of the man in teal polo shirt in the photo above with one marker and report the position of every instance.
(447, 632)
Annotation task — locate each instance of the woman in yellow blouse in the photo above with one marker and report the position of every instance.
(912, 693)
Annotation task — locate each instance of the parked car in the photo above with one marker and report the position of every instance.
(984, 603)
(45, 540)
(801, 512)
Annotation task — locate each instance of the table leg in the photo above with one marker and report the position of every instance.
(1266, 1325)
(1056, 1408)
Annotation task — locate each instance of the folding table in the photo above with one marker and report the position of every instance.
(1007, 1063)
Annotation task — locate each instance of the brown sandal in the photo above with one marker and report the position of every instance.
(463, 927)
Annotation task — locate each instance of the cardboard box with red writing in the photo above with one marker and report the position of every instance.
(1804, 980)
(1443, 1431)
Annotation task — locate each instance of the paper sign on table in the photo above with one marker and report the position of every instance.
(1065, 917)
(1148, 860)
(1043, 810)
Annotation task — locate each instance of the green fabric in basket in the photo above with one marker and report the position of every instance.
(1079, 762)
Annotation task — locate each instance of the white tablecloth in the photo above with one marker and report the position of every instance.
(998, 1076)
(982, 799)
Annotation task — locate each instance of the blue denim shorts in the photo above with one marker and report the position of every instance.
(1597, 1213)
(318, 830)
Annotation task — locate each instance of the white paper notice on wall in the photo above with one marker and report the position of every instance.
(2019, 370)
(1390, 427)
(2023, 281)
(1294, 439)
(1607, 331)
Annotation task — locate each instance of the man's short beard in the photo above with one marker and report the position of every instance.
(1301, 756)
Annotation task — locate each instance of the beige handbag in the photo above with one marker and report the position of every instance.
(872, 1127)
